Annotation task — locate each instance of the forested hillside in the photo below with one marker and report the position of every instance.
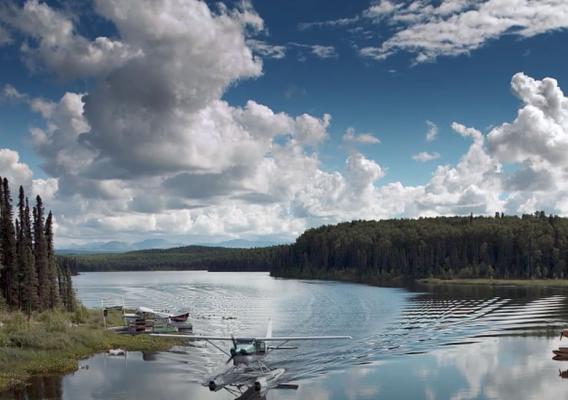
(531, 246)
(526, 247)
(31, 279)
(180, 258)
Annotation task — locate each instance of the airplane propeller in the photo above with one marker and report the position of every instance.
(233, 349)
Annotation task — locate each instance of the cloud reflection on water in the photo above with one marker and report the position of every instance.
(518, 368)
(401, 348)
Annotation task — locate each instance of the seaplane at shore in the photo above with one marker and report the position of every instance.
(146, 311)
(248, 372)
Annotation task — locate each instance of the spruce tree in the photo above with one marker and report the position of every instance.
(9, 275)
(41, 257)
(28, 275)
(2, 267)
(65, 285)
(30, 278)
(19, 276)
(52, 272)
(70, 301)
(19, 247)
(3, 307)
(62, 283)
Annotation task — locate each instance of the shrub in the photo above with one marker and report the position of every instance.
(14, 321)
(81, 315)
(4, 339)
(55, 321)
(38, 339)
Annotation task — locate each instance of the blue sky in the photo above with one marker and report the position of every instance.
(196, 122)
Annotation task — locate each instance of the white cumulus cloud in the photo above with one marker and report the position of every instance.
(429, 29)
(432, 132)
(152, 147)
(266, 49)
(19, 173)
(425, 156)
(56, 44)
(540, 130)
(13, 169)
(365, 138)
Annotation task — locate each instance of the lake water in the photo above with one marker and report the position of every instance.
(420, 343)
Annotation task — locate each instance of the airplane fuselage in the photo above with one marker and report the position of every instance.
(249, 358)
(248, 351)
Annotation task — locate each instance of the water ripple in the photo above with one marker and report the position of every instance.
(385, 323)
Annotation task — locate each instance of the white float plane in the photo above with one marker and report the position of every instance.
(247, 353)
(146, 311)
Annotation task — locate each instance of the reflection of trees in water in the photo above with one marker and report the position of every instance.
(251, 394)
(453, 291)
(38, 388)
(149, 355)
(563, 374)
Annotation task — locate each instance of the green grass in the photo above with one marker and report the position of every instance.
(53, 342)
(497, 282)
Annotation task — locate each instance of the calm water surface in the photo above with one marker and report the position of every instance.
(441, 343)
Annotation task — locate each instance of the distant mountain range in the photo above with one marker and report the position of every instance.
(121, 247)
(241, 243)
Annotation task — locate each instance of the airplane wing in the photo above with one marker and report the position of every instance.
(293, 338)
(196, 337)
(260, 339)
(269, 329)
(160, 314)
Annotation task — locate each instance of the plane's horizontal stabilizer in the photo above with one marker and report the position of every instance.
(290, 386)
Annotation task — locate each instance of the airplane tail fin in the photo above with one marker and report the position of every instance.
(269, 329)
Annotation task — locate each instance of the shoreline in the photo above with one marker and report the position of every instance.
(348, 277)
(397, 281)
(53, 342)
(495, 282)
(400, 282)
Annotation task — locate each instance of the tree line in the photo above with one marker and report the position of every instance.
(31, 278)
(179, 258)
(531, 246)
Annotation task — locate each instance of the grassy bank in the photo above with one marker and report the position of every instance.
(52, 343)
(497, 282)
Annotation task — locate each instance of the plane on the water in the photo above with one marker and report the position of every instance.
(248, 372)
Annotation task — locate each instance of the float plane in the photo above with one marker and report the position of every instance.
(247, 354)
(145, 311)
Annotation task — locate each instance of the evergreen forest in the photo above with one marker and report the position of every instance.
(531, 246)
(178, 258)
(31, 278)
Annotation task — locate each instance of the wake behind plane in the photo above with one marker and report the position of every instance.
(247, 355)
